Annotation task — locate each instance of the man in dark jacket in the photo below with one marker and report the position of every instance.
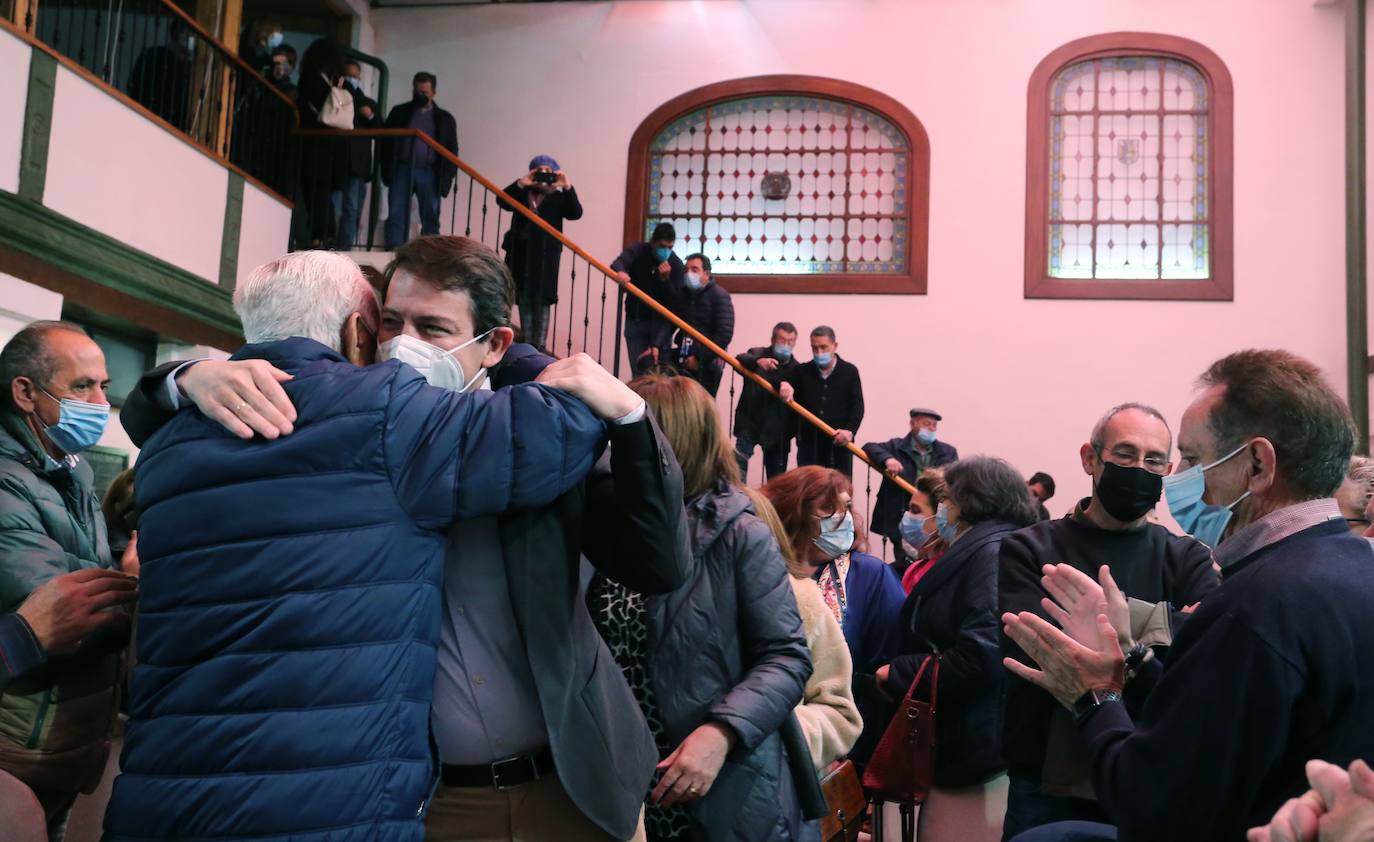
(1126, 456)
(409, 165)
(830, 388)
(1041, 487)
(906, 456)
(349, 201)
(55, 725)
(287, 662)
(706, 306)
(760, 418)
(547, 677)
(1272, 669)
(653, 268)
(532, 255)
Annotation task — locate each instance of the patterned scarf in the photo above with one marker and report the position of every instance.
(831, 578)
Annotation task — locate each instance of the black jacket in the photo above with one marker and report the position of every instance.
(532, 255)
(360, 149)
(759, 415)
(892, 500)
(1149, 563)
(397, 151)
(710, 311)
(729, 646)
(324, 160)
(838, 400)
(627, 518)
(952, 613)
(1270, 671)
(641, 264)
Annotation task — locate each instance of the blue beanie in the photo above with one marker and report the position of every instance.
(543, 161)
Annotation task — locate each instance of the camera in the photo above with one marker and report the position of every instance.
(542, 177)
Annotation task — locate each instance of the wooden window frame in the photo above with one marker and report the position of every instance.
(911, 282)
(1219, 285)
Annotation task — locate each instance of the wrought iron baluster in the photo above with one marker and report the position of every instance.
(467, 230)
(483, 238)
(601, 340)
(572, 305)
(586, 301)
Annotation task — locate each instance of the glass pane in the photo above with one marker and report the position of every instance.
(1185, 252)
(1071, 251)
(1127, 251)
(1073, 88)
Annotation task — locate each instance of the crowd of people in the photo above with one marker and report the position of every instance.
(393, 575)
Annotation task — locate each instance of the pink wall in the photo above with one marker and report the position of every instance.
(1018, 378)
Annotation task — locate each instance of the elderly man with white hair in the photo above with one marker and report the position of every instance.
(292, 586)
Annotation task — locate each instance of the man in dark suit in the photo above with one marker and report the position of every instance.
(526, 696)
(831, 389)
(907, 456)
(761, 420)
(409, 165)
(532, 255)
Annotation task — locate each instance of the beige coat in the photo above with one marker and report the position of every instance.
(827, 713)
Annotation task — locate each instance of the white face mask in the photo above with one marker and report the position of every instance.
(439, 367)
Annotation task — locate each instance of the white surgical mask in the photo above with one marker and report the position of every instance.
(439, 367)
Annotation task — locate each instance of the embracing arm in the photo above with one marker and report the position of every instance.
(635, 530)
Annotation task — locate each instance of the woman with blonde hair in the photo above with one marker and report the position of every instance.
(719, 664)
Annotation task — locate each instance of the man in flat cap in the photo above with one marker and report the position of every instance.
(906, 456)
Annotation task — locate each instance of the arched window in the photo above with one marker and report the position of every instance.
(1129, 171)
(789, 184)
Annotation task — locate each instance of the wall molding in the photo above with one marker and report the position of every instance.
(45, 248)
(33, 157)
(233, 225)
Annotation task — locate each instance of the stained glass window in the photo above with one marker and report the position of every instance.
(786, 184)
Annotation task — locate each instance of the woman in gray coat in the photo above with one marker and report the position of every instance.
(719, 664)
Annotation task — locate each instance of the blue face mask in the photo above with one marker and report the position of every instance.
(80, 424)
(926, 437)
(837, 535)
(1184, 491)
(782, 352)
(694, 281)
(947, 530)
(822, 360)
(913, 528)
(274, 40)
(663, 254)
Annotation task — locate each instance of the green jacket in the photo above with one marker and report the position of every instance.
(55, 722)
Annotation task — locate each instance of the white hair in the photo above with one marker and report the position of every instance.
(305, 293)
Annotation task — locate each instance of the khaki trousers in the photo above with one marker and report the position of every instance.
(539, 811)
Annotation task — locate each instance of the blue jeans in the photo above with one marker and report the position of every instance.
(404, 181)
(1028, 807)
(348, 205)
(641, 335)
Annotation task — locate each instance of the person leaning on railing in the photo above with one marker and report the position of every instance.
(658, 272)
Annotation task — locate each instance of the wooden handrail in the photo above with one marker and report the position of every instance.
(610, 273)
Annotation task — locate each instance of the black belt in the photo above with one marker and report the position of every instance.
(502, 774)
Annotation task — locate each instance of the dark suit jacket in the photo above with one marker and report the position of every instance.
(394, 152)
(892, 500)
(627, 518)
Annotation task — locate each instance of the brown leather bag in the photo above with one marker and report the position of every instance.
(903, 764)
(847, 802)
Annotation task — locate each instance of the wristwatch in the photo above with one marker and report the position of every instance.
(1089, 702)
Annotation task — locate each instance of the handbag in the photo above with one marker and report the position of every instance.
(337, 110)
(846, 804)
(903, 764)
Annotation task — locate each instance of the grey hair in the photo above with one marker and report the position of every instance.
(305, 293)
(27, 355)
(1361, 472)
(1098, 439)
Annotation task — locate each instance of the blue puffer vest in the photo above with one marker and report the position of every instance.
(291, 596)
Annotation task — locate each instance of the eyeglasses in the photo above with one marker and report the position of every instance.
(1127, 458)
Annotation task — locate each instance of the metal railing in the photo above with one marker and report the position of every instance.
(160, 58)
(588, 313)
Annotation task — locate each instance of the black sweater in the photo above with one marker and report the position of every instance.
(1148, 563)
(1272, 670)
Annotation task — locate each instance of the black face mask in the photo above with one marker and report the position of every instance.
(1128, 493)
(420, 100)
